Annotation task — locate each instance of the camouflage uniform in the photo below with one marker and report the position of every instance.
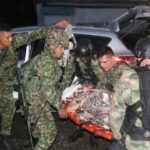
(43, 90)
(109, 78)
(43, 94)
(8, 60)
(100, 74)
(114, 74)
(84, 71)
(126, 92)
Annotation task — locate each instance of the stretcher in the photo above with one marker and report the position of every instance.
(77, 117)
(88, 126)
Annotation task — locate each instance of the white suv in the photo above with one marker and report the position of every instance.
(98, 36)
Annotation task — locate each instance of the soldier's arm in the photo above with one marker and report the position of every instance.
(126, 93)
(27, 38)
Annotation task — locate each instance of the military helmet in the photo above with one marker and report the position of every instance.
(142, 48)
(84, 47)
(57, 37)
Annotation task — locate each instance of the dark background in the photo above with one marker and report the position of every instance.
(18, 12)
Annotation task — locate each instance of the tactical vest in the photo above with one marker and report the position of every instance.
(140, 110)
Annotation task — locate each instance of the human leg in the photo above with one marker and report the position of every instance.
(7, 110)
(46, 132)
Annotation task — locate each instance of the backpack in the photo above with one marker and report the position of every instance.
(26, 69)
(132, 112)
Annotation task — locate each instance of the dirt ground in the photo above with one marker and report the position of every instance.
(63, 141)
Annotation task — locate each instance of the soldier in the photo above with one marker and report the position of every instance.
(43, 87)
(84, 55)
(112, 72)
(130, 107)
(107, 69)
(8, 60)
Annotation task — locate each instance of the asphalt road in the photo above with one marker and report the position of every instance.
(66, 128)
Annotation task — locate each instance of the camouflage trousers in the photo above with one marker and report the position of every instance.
(45, 131)
(137, 145)
(45, 128)
(7, 108)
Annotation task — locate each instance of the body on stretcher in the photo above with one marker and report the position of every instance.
(86, 110)
(90, 127)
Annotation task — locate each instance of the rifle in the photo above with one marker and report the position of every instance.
(24, 106)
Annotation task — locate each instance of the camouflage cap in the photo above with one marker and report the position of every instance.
(57, 37)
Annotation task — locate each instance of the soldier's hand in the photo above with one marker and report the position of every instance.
(62, 113)
(62, 23)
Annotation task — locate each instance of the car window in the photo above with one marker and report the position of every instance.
(26, 52)
(36, 47)
(97, 41)
(21, 52)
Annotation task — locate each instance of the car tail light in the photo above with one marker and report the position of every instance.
(125, 59)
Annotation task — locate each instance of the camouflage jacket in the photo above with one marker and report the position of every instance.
(110, 77)
(126, 92)
(43, 74)
(100, 74)
(84, 71)
(8, 56)
(115, 73)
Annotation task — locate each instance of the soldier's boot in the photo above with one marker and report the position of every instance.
(5, 144)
